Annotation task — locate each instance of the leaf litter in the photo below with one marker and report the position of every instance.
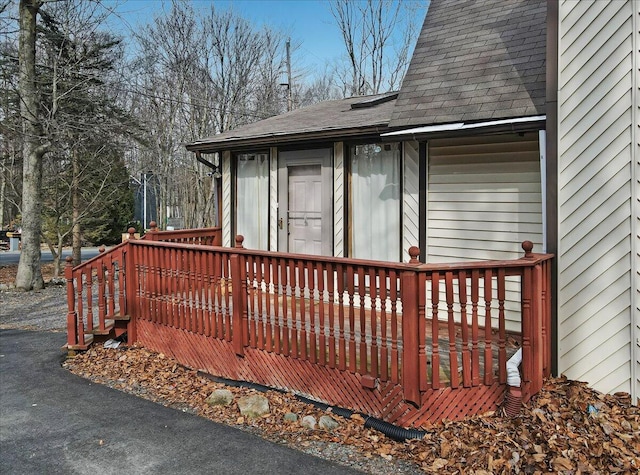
(567, 428)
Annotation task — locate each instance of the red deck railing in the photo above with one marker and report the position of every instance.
(406, 342)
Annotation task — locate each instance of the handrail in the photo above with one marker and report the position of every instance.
(530, 261)
(101, 279)
(200, 236)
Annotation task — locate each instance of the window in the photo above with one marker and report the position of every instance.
(252, 199)
(375, 196)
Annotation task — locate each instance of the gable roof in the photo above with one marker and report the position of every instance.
(354, 116)
(475, 60)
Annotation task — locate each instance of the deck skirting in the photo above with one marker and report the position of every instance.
(321, 383)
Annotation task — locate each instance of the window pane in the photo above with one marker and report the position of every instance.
(375, 201)
(252, 200)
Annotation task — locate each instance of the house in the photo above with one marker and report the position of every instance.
(517, 119)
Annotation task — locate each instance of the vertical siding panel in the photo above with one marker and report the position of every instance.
(226, 199)
(410, 205)
(273, 199)
(597, 116)
(338, 199)
(635, 335)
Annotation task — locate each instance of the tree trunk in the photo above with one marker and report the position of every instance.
(57, 260)
(29, 275)
(76, 234)
(3, 185)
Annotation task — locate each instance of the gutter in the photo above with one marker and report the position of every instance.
(508, 125)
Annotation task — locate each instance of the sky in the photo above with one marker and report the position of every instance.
(309, 23)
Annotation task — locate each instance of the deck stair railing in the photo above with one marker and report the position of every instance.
(407, 342)
(97, 290)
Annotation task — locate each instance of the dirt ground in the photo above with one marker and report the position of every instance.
(8, 273)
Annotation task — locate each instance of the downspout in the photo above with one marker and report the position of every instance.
(390, 430)
(513, 398)
(218, 195)
(551, 110)
(204, 161)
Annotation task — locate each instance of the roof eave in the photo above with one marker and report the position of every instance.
(287, 139)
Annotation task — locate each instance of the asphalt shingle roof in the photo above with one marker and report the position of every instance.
(475, 60)
(362, 112)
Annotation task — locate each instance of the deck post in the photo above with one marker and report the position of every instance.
(72, 338)
(537, 340)
(238, 298)
(153, 231)
(410, 337)
(132, 301)
(527, 320)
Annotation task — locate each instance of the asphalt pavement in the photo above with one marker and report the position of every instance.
(52, 421)
(8, 258)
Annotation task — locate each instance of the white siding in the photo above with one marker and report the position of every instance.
(484, 200)
(597, 249)
(484, 197)
(635, 199)
(410, 207)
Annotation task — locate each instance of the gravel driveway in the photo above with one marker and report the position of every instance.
(44, 309)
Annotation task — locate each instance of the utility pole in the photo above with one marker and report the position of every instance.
(289, 85)
(144, 202)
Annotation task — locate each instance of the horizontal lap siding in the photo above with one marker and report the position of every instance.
(595, 193)
(484, 199)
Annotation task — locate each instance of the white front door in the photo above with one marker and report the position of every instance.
(305, 217)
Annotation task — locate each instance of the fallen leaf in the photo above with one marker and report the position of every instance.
(561, 463)
(439, 464)
(553, 431)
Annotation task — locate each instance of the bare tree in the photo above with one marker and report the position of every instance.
(35, 145)
(321, 88)
(78, 64)
(377, 36)
(64, 75)
(198, 76)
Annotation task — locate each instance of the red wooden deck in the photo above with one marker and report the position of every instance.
(409, 343)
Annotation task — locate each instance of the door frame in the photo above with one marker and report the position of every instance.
(292, 158)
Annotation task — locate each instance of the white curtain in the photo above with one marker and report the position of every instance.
(375, 201)
(252, 200)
